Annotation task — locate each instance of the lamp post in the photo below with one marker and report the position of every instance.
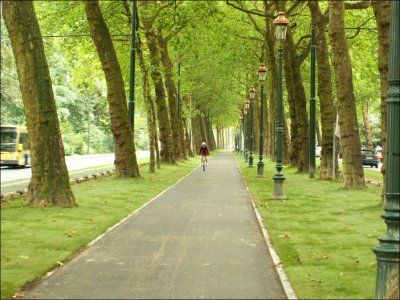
(251, 130)
(246, 133)
(131, 104)
(280, 23)
(312, 107)
(388, 252)
(262, 75)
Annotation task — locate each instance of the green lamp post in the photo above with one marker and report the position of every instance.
(388, 251)
(312, 107)
(262, 75)
(280, 23)
(251, 130)
(246, 133)
(131, 102)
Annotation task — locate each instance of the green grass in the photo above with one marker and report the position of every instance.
(322, 233)
(34, 240)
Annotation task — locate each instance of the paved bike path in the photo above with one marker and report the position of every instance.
(198, 240)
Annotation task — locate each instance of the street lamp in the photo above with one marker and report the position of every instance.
(280, 23)
(251, 130)
(262, 75)
(312, 107)
(246, 133)
(388, 252)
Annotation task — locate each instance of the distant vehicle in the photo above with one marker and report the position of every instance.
(317, 151)
(14, 146)
(370, 158)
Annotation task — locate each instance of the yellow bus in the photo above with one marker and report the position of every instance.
(14, 146)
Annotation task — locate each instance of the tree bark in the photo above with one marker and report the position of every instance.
(150, 107)
(271, 91)
(49, 184)
(353, 172)
(300, 143)
(382, 17)
(325, 94)
(164, 125)
(171, 93)
(125, 153)
(367, 126)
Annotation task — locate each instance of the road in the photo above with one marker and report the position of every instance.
(78, 165)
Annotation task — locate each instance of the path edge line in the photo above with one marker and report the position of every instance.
(102, 235)
(287, 287)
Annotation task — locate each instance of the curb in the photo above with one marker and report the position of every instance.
(22, 192)
(287, 287)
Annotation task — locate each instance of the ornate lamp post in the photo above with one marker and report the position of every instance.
(246, 133)
(388, 252)
(312, 107)
(262, 75)
(280, 23)
(251, 130)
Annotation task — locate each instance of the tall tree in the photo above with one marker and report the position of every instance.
(325, 93)
(171, 93)
(164, 125)
(297, 106)
(125, 154)
(49, 184)
(353, 172)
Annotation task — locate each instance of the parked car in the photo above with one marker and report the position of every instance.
(370, 158)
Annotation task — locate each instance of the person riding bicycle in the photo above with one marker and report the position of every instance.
(204, 151)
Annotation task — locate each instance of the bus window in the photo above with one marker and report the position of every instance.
(8, 140)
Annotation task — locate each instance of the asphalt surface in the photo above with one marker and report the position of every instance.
(198, 240)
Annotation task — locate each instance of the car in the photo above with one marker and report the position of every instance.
(369, 158)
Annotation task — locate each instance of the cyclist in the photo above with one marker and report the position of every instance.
(204, 153)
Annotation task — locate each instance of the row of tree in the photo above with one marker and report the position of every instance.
(336, 92)
(218, 46)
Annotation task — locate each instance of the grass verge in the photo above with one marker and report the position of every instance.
(34, 240)
(322, 233)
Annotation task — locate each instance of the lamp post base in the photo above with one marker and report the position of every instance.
(260, 169)
(387, 277)
(251, 159)
(279, 192)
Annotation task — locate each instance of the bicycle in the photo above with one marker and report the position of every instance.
(204, 162)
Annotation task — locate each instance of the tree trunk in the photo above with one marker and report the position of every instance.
(171, 93)
(297, 107)
(125, 153)
(165, 133)
(150, 107)
(353, 172)
(272, 90)
(367, 126)
(49, 184)
(319, 138)
(188, 139)
(325, 95)
(382, 17)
